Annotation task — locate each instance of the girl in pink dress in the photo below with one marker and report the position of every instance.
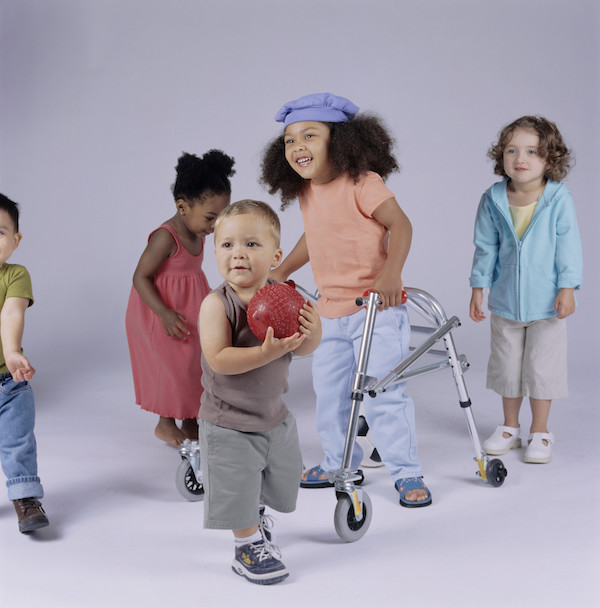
(168, 288)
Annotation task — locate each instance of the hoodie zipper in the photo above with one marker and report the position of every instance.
(519, 246)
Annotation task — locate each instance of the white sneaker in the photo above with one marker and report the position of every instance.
(497, 444)
(537, 451)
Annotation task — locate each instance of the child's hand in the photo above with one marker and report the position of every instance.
(564, 304)
(390, 290)
(19, 367)
(310, 327)
(310, 322)
(175, 324)
(475, 307)
(273, 347)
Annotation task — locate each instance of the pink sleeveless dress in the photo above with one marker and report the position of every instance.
(167, 371)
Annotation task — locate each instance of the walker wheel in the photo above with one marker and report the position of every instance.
(187, 484)
(344, 519)
(495, 472)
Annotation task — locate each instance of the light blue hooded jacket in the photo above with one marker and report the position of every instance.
(525, 276)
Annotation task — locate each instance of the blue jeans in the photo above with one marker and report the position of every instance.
(390, 415)
(18, 452)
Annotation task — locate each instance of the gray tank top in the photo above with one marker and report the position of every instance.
(246, 402)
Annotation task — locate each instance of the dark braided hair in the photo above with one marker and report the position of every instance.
(199, 176)
(362, 144)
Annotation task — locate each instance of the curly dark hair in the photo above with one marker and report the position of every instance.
(551, 148)
(362, 144)
(199, 176)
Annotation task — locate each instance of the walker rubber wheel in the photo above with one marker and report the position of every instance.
(344, 519)
(187, 484)
(496, 472)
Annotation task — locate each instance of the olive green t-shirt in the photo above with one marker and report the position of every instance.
(15, 282)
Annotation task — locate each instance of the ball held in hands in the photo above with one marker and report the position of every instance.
(275, 305)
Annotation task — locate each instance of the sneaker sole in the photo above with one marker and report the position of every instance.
(515, 445)
(531, 460)
(269, 578)
(33, 524)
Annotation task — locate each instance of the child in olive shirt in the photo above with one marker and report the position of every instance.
(17, 411)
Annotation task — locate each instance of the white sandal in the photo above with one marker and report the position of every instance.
(537, 451)
(497, 444)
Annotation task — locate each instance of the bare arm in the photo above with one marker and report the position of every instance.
(297, 258)
(222, 356)
(160, 246)
(389, 281)
(12, 324)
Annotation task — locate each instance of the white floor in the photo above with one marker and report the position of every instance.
(121, 535)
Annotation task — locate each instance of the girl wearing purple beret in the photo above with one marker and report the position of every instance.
(335, 161)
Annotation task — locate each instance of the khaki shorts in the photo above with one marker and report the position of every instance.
(241, 470)
(528, 359)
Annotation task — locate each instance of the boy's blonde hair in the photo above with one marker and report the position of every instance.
(259, 208)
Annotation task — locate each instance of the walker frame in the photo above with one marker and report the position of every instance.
(353, 512)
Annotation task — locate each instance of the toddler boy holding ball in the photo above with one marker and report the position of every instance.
(249, 444)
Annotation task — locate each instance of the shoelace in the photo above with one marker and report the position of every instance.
(265, 525)
(266, 550)
(27, 504)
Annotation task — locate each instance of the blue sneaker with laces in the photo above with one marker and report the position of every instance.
(259, 563)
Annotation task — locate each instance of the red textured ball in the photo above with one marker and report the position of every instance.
(275, 305)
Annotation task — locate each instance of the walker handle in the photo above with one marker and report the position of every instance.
(362, 302)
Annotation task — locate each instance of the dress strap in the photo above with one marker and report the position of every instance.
(173, 234)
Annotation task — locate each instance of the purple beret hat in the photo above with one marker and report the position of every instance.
(322, 107)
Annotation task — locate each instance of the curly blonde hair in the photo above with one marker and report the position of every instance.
(551, 147)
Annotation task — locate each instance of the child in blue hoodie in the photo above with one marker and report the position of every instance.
(528, 253)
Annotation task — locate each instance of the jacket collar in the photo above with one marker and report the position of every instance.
(498, 195)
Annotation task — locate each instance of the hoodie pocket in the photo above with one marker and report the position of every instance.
(540, 289)
(503, 292)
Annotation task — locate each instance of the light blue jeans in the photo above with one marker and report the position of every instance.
(18, 452)
(390, 415)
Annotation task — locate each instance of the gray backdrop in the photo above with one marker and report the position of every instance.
(99, 97)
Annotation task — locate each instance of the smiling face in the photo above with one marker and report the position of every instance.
(246, 250)
(9, 238)
(522, 160)
(199, 216)
(307, 150)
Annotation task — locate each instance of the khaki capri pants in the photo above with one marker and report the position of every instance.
(528, 359)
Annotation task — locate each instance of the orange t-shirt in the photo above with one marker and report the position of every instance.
(346, 244)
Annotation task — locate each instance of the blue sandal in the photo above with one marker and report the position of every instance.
(406, 485)
(312, 478)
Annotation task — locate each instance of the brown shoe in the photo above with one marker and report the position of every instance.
(31, 515)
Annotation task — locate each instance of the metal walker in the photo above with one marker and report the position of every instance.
(353, 511)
